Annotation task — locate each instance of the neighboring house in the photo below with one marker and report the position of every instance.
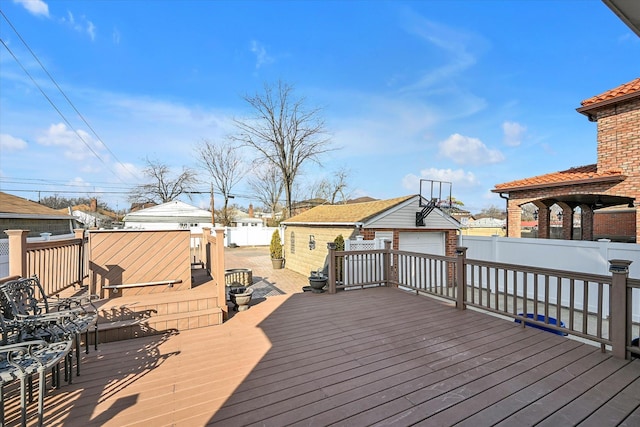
(306, 235)
(17, 213)
(484, 227)
(175, 215)
(613, 181)
(244, 219)
(92, 216)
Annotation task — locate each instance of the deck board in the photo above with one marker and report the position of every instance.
(369, 357)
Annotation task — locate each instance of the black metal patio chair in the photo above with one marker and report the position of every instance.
(21, 361)
(20, 302)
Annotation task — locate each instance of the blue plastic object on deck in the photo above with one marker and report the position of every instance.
(540, 318)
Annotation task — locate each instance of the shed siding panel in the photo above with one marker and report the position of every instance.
(303, 260)
(405, 217)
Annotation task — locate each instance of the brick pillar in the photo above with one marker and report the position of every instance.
(586, 222)
(567, 221)
(544, 223)
(514, 213)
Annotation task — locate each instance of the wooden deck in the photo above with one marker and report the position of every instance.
(371, 357)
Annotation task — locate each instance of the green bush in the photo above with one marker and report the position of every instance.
(276, 246)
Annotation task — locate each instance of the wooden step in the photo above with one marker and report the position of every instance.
(157, 324)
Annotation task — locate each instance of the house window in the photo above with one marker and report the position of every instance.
(293, 243)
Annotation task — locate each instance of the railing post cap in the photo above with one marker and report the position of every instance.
(16, 232)
(461, 250)
(619, 265)
(331, 245)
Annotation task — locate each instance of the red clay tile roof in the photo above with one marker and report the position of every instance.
(625, 89)
(576, 175)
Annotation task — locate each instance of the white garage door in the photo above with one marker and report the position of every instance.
(424, 243)
(417, 273)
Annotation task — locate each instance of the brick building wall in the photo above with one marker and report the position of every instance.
(619, 147)
(615, 225)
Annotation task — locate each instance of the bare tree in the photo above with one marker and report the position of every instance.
(284, 131)
(492, 212)
(333, 189)
(164, 186)
(224, 164)
(267, 186)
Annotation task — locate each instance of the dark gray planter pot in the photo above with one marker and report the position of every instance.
(240, 297)
(317, 284)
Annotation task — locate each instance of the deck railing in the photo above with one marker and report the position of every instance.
(59, 264)
(212, 255)
(599, 308)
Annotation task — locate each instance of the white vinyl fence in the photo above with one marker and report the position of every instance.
(572, 255)
(248, 236)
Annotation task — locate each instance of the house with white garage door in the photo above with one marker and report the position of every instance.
(408, 222)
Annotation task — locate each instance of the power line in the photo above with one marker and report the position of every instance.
(65, 97)
(55, 107)
(60, 183)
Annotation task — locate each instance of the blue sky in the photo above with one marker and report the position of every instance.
(472, 92)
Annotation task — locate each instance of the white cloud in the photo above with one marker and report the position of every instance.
(128, 171)
(11, 143)
(84, 26)
(91, 30)
(466, 150)
(79, 143)
(262, 57)
(513, 133)
(116, 36)
(78, 182)
(459, 47)
(458, 178)
(35, 7)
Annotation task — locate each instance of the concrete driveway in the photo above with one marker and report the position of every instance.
(267, 281)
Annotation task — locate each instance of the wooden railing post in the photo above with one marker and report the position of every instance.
(331, 246)
(218, 274)
(620, 333)
(204, 248)
(387, 263)
(79, 234)
(461, 279)
(17, 252)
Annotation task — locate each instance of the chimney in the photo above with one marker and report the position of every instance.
(250, 210)
(94, 205)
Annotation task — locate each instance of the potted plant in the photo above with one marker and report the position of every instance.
(275, 249)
